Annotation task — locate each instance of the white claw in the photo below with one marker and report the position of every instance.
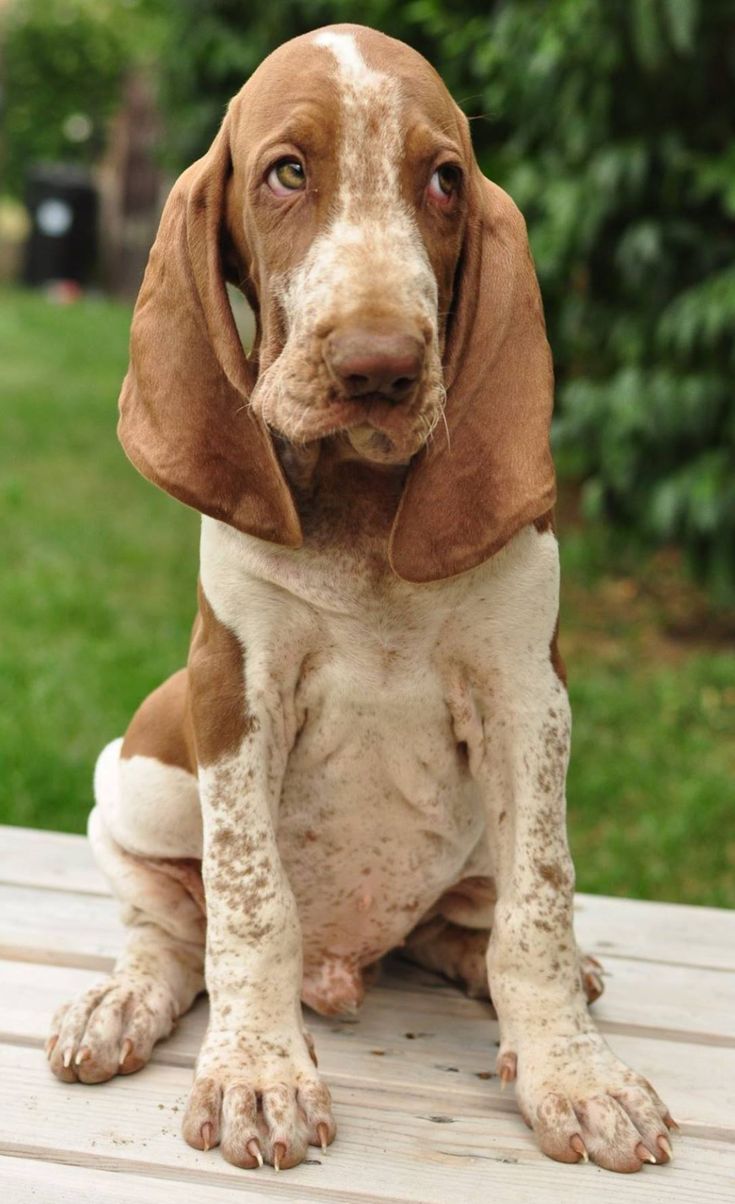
(254, 1150)
(68, 1054)
(645, 1154)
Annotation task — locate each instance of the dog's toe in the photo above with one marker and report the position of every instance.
(256, 1108)
(110, 1029)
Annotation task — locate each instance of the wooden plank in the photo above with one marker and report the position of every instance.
(51, 859)
(656, 932)
(631, 928)
(32, 1181)
(59, 927)
(64, 928)
(389, 1147)
(403, 1042)
(675, 1002)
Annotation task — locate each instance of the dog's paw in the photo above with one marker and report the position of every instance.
(110, 1029)
(259, 1099)
(582, 1102)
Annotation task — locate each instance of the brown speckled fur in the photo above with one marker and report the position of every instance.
(368, 747)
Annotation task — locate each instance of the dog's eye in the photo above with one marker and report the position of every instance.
(444, 183)
(288, 175)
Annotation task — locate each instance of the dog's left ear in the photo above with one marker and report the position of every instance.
(471, 491)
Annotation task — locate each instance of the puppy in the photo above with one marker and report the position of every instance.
(368, 746)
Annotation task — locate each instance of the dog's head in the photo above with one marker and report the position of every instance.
(393, 291)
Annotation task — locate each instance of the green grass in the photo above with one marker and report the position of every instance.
(97, 598)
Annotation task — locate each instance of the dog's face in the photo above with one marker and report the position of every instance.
(347, 208)
(393, 286)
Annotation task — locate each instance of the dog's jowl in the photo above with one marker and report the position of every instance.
(368, 746)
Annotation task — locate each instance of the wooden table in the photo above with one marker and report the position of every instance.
(419, 1110)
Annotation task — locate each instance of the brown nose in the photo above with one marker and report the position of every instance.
(367, 361)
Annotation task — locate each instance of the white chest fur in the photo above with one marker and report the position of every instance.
(381, 687)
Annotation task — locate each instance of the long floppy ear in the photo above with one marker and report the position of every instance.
(468, 494)
(185, 421)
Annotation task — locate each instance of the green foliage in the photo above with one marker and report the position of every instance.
(64, 60)
(610, 124)
(98, 608)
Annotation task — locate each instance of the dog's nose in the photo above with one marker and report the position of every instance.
(364, 362)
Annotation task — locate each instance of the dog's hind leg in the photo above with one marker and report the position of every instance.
(112, 1028)
(460, 953)
(457, 952)
(454, 937)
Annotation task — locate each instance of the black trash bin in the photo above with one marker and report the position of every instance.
(62, 245)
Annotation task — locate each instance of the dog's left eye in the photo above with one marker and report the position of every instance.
(444, 183)
(287, 176)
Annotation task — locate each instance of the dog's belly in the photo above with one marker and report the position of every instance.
(379, 817)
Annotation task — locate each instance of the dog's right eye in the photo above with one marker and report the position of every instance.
(287, 176)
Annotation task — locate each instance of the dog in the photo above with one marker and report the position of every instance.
(368, 746)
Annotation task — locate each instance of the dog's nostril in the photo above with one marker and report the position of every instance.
(357, 384)
(403, 384)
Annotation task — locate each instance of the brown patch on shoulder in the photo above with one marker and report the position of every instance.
(216, 687)
(161, 727)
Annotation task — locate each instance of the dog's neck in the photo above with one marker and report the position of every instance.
(341, 494)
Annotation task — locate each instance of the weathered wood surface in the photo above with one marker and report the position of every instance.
(419, 1120)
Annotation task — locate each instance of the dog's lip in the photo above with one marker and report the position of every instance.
(375, 445)
(343, 414)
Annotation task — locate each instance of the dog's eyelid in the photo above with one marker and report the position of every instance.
(451, 164)
(280, 152)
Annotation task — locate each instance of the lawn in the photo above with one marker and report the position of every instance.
(97, 600)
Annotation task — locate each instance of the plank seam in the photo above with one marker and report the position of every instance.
(182, 1176)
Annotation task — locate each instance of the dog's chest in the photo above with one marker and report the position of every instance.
(378, 813)
(377, 684)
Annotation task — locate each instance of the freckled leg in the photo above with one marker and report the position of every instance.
(578, 1097)
(256, 1090)
(112, 1028)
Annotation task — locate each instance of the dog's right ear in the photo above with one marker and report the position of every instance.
(185, 418)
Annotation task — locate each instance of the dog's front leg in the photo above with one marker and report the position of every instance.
(579, 1098)
(256, 1091)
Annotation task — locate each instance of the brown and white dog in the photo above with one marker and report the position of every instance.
(368, 746)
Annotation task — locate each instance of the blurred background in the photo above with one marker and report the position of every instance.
(610, 122)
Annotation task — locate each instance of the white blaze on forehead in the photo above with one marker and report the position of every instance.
(372, 137)
(351, 63)
(368, 256)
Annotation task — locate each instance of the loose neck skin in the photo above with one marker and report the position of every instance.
(338, 491)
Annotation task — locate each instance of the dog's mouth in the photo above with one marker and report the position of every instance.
(376, 429)
(374, 444)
